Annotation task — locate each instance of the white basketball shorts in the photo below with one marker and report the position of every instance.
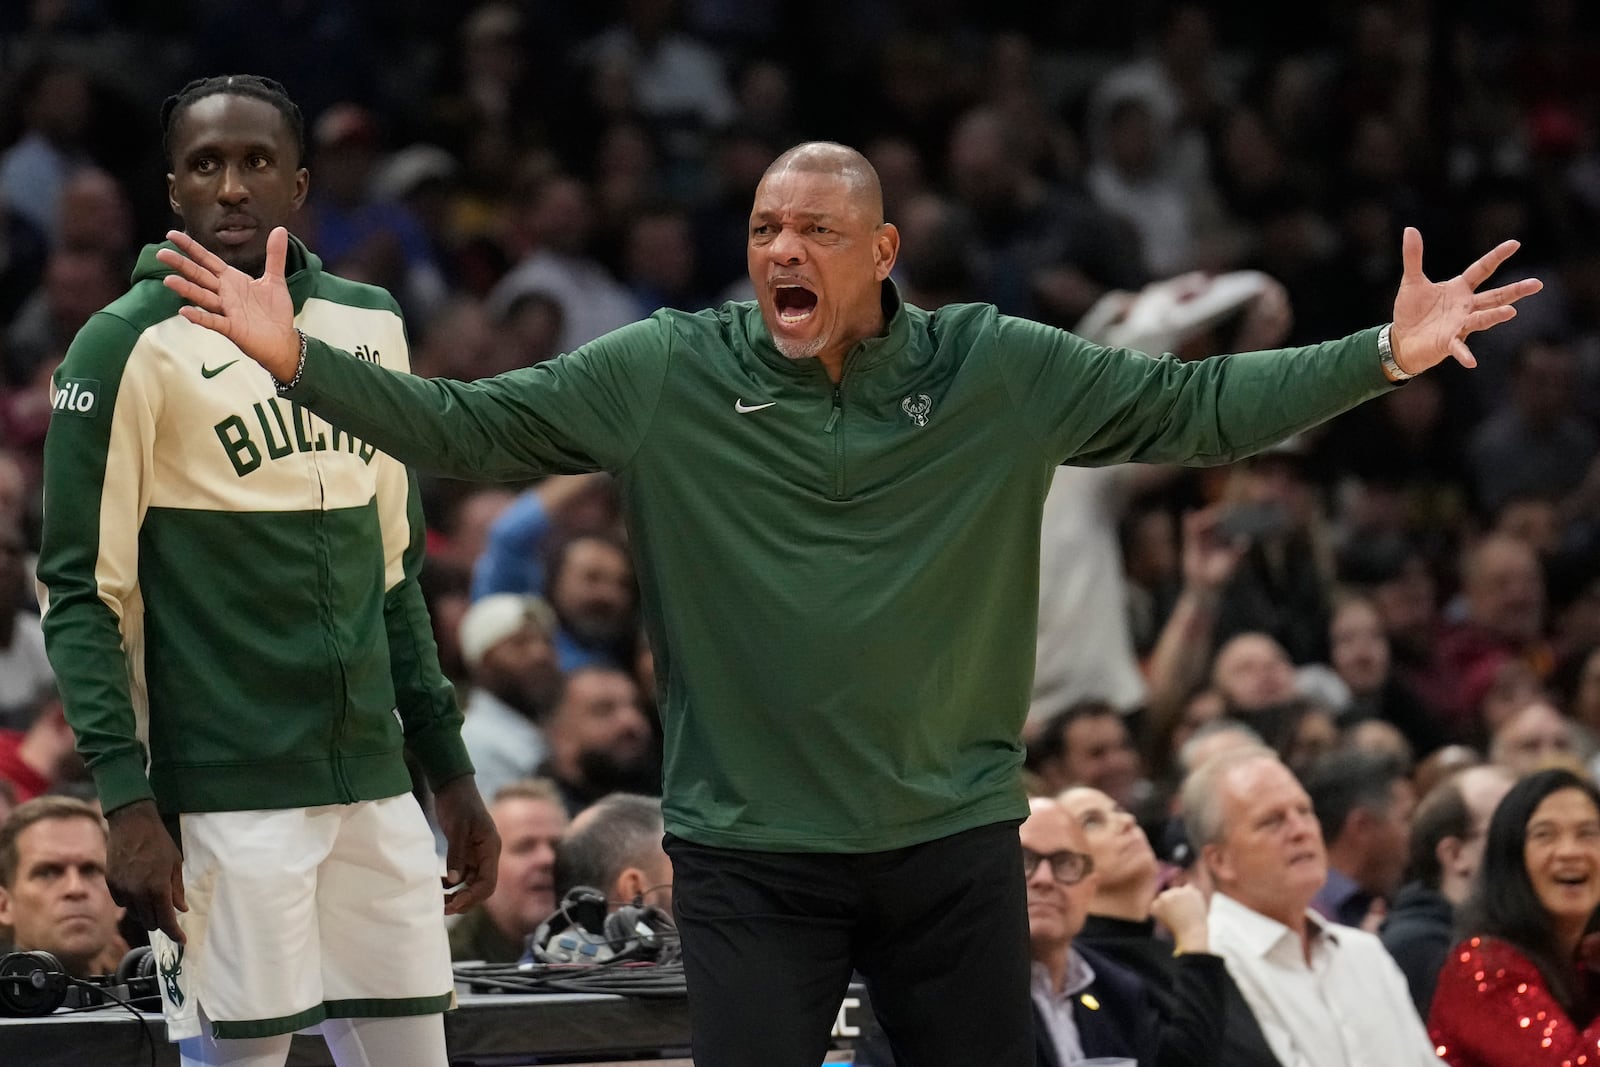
(304, 914)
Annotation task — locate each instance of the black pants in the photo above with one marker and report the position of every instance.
(939, 931)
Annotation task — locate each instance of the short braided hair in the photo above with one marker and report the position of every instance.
(252, 85)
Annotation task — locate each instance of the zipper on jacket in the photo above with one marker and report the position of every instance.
(342, 686)
(838, 409)
(838, 440)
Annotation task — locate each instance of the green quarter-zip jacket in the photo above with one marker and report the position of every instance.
(229, 583)
(840, 583)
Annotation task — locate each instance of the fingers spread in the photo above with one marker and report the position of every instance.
(1507, 294)
(1411, 252)
(202, 317)
(277, 251)
(196, 251)
(195, 294)
(1482, 320)
(1486, 265)
(1463, 354)
(194, 272)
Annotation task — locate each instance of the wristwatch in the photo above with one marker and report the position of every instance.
(1386, 357)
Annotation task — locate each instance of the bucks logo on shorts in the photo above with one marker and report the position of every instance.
(170, 963)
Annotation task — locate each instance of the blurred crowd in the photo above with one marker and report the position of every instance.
(1408, 591)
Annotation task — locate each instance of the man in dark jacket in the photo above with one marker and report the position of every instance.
(1446, 849)
(1086, 1004)
(1173, 958)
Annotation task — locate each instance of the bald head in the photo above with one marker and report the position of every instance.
(819, 252)
(1046, 817)
(840, 161)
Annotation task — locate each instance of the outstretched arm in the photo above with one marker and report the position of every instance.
(1089, 404)
(587, 410)
(1433, 319)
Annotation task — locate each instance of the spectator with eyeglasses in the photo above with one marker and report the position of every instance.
(1086, 1007)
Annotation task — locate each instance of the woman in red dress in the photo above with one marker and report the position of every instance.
(1520, 991)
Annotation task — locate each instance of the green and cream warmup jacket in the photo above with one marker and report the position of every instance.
(840, 583)
(229, 583)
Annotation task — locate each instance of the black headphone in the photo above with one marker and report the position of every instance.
(36, 983)
(31, 983)
(140, 962)
(641, 930)
(582, 929)
(575, 931)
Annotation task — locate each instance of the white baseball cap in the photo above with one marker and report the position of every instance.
(496, 617)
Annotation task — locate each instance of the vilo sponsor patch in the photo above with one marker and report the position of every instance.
(76, 396)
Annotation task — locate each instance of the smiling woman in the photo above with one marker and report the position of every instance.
(1522, 990)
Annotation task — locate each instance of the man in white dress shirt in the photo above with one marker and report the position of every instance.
(1326, 995)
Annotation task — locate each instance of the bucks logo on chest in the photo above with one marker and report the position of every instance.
(260, 427)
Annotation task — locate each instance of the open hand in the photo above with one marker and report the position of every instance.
(256, 314)
(1432, 319)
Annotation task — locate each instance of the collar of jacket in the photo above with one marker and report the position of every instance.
(867, 354)
(301, 267)
(1107, 926)
(1415, 899)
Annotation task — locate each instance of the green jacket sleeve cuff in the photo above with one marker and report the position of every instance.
(121, 782)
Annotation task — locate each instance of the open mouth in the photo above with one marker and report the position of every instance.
(794, 303)
(1572, 880)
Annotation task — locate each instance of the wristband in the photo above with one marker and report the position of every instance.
(299, 368)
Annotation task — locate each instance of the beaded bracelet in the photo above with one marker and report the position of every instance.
(299, 369)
